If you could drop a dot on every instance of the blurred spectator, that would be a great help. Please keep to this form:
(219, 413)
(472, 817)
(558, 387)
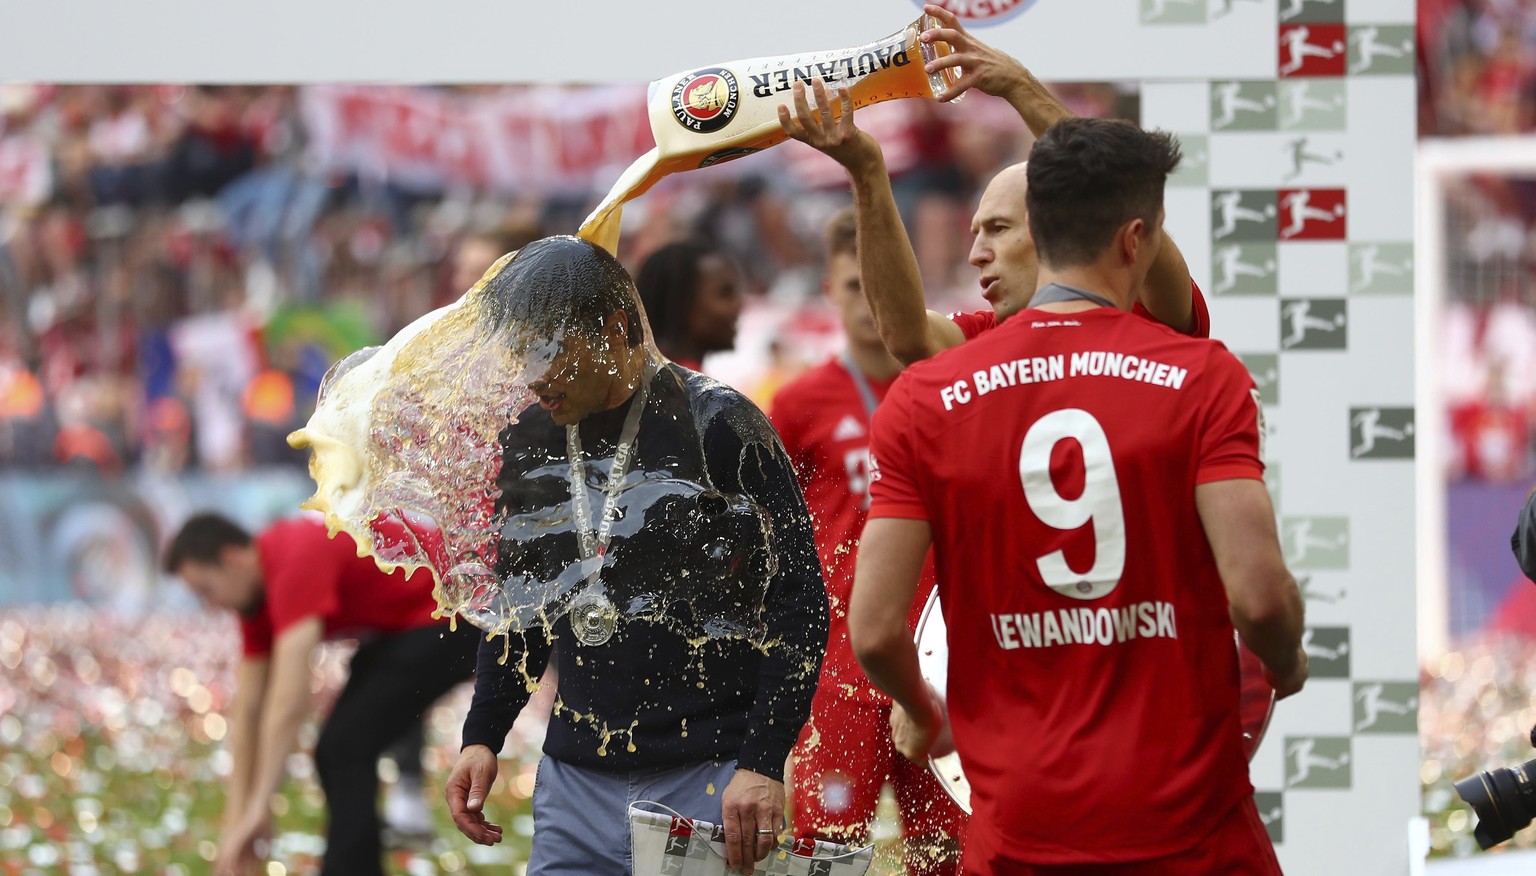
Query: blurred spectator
(1476, 76)
(693, 299)
(1488, 327)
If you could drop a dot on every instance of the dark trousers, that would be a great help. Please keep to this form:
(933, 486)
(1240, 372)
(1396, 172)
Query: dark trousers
(392, 681)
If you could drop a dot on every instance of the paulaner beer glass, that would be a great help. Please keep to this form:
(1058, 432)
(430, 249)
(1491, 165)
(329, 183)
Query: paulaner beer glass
(712, 114)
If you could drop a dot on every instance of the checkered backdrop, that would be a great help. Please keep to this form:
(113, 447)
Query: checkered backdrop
(1295, 211)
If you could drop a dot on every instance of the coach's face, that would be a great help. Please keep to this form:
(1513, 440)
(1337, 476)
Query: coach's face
(1004, 251)
(574, 376)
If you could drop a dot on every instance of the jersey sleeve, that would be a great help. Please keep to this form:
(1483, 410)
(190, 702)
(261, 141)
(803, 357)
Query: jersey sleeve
(1200, 314)
(303, 575)
(893, 482)
(1231, 433)
(974, 323)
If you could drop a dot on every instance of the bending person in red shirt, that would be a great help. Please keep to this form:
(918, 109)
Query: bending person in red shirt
(845, 754)
(293, 587)
(1091, 485)
(1003, 249)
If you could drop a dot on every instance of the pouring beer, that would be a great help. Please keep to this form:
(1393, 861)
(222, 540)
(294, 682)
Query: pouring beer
(713, 114)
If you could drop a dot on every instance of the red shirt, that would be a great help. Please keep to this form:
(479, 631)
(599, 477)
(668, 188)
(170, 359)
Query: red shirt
(1093, 682)
(976, 322)
(822, 420)
(306, 573)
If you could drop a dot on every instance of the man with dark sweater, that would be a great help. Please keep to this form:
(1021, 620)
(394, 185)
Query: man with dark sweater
(679, 578)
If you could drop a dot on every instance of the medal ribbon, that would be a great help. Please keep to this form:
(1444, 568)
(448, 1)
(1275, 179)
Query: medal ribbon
(594, 544)
(861, 383)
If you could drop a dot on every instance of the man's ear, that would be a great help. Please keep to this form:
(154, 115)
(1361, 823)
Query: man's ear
(616, 330)
(1133, 237)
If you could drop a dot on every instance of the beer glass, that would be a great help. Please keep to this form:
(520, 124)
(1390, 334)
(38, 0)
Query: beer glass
(713, 114)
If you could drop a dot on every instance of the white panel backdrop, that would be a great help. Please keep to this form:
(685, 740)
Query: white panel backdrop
(1295, 211)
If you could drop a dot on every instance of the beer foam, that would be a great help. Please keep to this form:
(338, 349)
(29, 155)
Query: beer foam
(403, 441)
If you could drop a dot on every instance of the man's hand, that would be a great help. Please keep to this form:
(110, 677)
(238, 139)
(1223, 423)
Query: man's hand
(981, 66)
(825, 131)
(1290, 682)
(753, 812)
(238, 854)
(466, 789)
(919, 737)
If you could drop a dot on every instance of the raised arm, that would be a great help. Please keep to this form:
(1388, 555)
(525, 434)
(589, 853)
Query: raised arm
(890, 563)
(1167, 294)
(1264, 601)
(887, 266)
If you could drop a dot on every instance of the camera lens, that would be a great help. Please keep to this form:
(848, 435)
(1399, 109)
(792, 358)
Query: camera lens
(1504, 800)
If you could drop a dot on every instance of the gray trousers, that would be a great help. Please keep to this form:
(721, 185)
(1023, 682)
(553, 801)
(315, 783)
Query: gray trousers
(581, 817)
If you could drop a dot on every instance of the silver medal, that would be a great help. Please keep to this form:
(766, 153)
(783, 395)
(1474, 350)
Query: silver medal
(593, 618)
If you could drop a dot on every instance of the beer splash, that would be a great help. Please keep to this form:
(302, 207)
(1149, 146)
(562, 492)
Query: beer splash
(416, 445)
(403, 440)
(714, 114)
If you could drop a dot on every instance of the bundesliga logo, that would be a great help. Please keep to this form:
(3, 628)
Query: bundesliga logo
(705, 100)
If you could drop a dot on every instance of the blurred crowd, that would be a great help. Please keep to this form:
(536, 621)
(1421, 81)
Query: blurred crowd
(1476, 69)
(1488, 328)
(1478, 77)
(178, 269)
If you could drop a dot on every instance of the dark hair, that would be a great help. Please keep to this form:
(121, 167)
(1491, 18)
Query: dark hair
(668, 282)
(202, 538)
(842, 236)
(1087, 178)
(560, 284)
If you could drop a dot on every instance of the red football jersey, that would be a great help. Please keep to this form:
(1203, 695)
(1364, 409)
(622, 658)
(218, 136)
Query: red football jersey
(306, 573)
(821, 418)
(1092, 686)
(974, 323)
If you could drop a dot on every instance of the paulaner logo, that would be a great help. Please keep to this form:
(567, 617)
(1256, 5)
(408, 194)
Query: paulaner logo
(705, 100)
(834, 69)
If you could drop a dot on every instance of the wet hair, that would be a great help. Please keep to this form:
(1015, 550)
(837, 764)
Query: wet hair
(668, 283)
(202, 539)
(842, 235)
(559, 284)
(1087, 178)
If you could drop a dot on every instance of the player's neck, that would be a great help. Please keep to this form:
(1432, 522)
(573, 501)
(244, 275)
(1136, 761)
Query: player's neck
(1117, 285)
(874, 361)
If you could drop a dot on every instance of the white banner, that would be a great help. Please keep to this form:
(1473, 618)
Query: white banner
(545, 139)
